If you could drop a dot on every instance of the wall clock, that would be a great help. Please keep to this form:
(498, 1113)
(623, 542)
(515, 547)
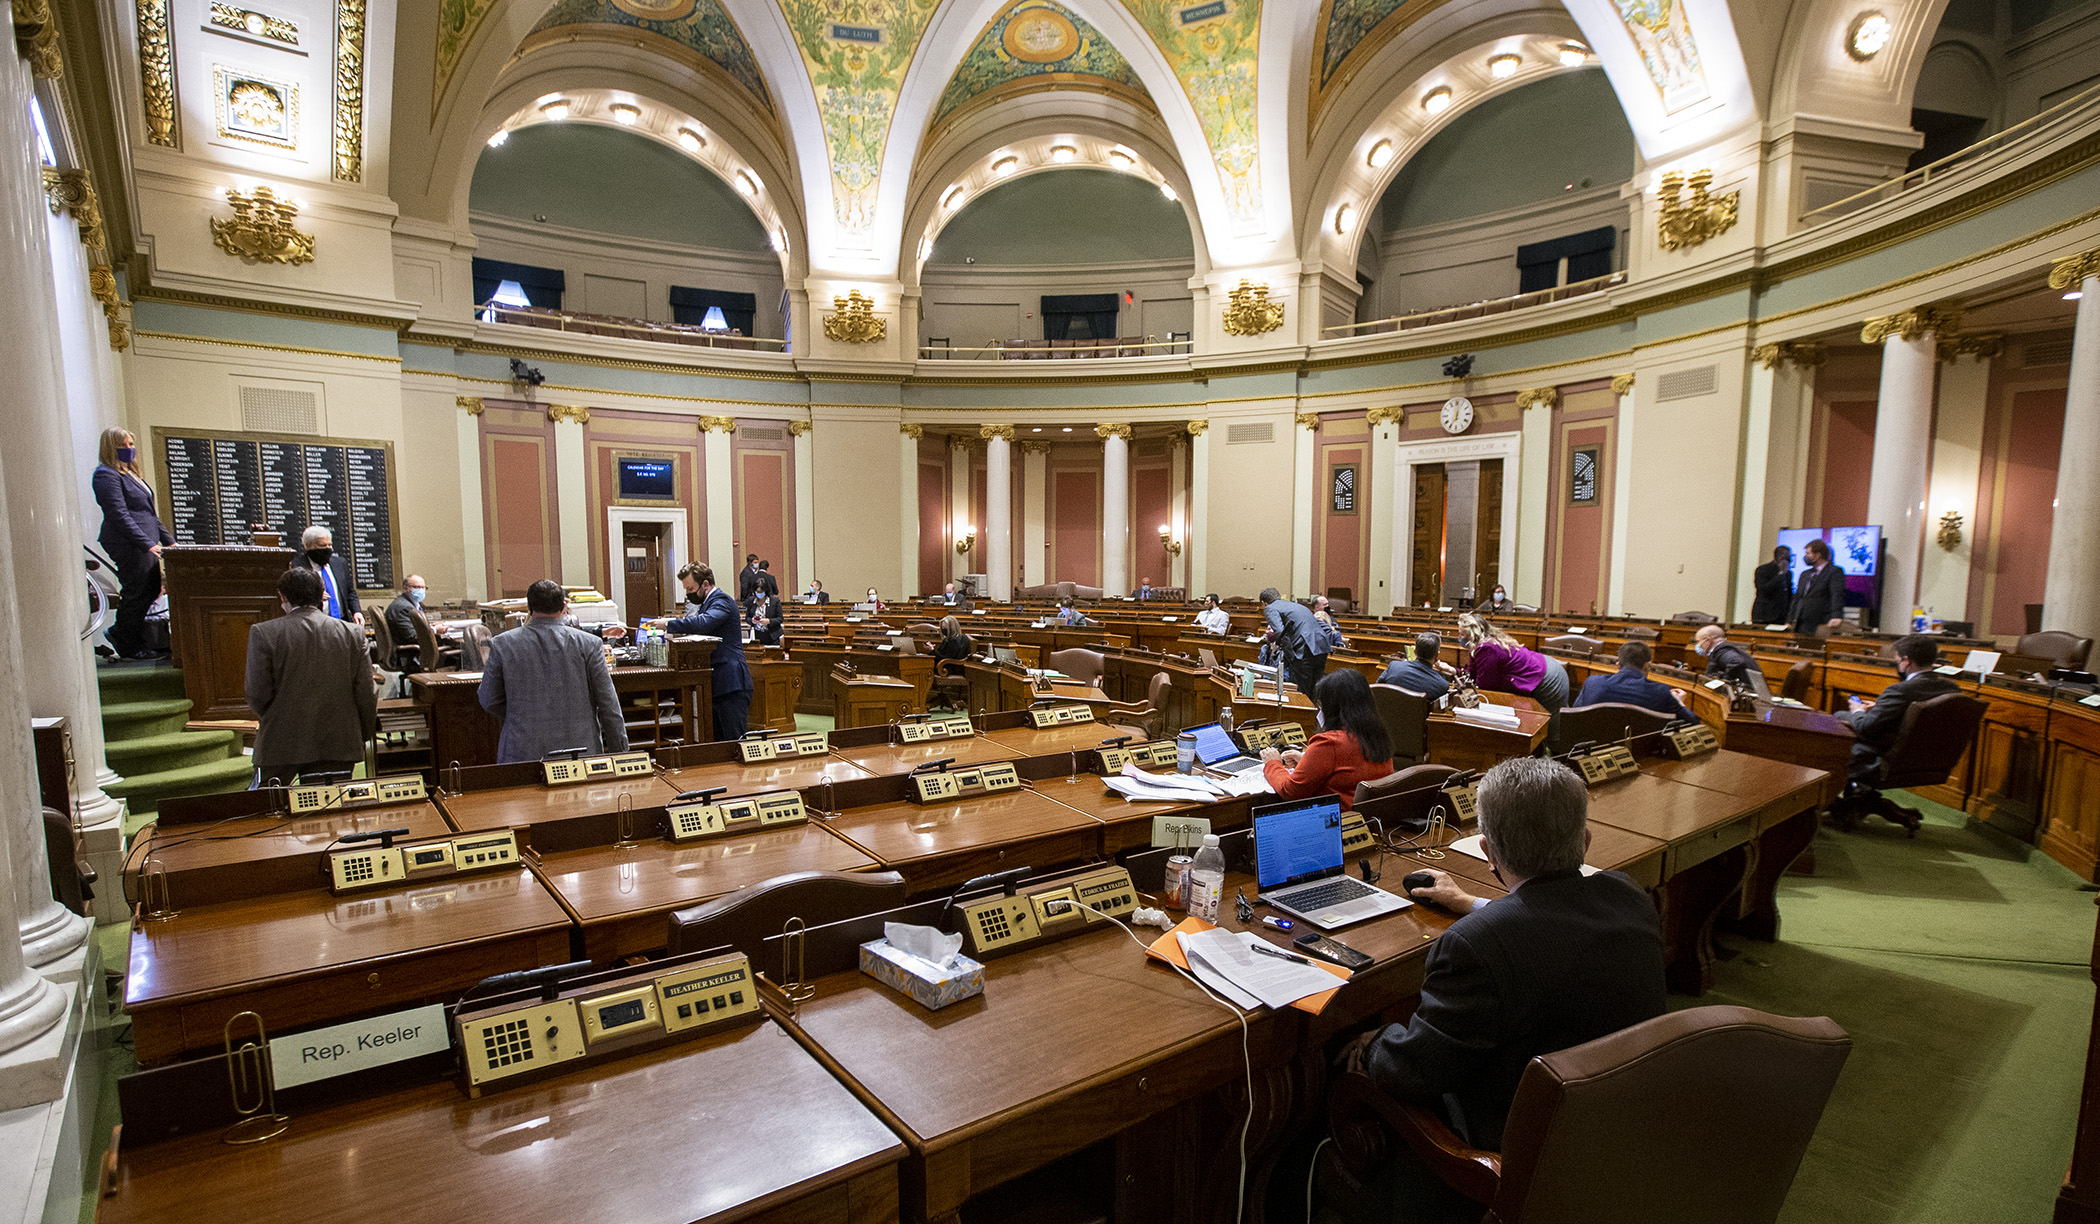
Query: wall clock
(1457, 415)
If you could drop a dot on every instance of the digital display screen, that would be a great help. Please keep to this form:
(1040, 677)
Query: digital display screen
(1297, 841)
(617, 1014)
(648, 479)
(1855, 550)
(1214, 744)
(429, 858)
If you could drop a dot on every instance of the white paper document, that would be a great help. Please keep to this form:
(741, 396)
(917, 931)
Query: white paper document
(1490, 715)
(1224, 961)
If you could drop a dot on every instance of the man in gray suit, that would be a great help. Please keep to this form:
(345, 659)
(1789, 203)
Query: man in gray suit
(310, 685)
(549, 685)
(1301, 645)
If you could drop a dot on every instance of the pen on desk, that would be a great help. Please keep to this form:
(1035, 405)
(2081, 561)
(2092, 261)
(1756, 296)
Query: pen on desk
(1278, 953)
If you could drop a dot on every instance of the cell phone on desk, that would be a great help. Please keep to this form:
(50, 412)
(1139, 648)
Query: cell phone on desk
(1333, 951)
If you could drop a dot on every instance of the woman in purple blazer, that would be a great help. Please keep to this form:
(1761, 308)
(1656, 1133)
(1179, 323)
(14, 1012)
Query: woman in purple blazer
(132, 535)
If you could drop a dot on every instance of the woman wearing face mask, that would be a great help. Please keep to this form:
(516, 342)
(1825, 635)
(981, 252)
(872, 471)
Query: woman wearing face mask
(132, 535)
(874, 600)
(1352, 745)
(1499, 602)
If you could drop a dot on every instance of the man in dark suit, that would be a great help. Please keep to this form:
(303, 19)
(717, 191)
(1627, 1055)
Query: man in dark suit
(747, 578)
(1820, 599)
(816, 593)
(1630, 685)
(955, 599)
(1724, 659)
(401, 618)
(1419, 674)
(1299, 640)
(1874, 727)
(1563, 959)
(713, 613)
(1773, 583)
(338, 588)
(548, 683)
(310, 684)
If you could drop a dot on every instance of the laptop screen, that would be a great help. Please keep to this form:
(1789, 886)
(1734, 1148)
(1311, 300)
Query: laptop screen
(1297, 841)
(1007, 654)
(1214, 744)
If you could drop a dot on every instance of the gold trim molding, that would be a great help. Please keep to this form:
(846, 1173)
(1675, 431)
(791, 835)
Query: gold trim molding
(798, 428)
(577, 413)
(855, 321)
(1681, 222)
(1249, 311)
(1034, 448)
(157, 73)
(472, 403)
(36, 38)
(1805, 354)
(1390, 414)
(912, 430)
(262, 229)
(1107, 430)
(1981, 345)
(1309, 420)
(2065, 274)
(72, 191)
(1622, 385)
(718, 424)
(989, 432)
(1538, 397)
(1197, 428)
(350, 91)
(1911, 324)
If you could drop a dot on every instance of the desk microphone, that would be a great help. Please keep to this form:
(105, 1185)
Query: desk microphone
(566, 754)
(547, 977)
(698, 796)
(1117, 742)
(385, 837)
(939, 766)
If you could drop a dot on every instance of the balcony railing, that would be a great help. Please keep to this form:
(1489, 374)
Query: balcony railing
(937, 348)
(620, 328)
(1473, 310)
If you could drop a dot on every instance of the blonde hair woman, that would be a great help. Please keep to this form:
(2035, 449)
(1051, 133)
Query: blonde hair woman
(132, 535)
(1500, 664)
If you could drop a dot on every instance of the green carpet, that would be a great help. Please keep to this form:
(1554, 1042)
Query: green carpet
(143, 716)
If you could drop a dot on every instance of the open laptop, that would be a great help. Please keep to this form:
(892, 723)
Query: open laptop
(1007, 654)
(1214, 747)
(1299, 867)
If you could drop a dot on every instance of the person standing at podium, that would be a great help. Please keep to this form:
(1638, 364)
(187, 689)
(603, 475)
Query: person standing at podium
(309, 682)
(548, 683)
(713, 613)
(132, 535)
(337, 586)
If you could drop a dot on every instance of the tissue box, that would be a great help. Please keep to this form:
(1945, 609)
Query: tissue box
(934, 986)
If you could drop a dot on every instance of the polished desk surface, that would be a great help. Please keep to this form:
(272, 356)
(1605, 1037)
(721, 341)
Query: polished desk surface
(1739, 774)
(516, 807)
(1611, 849)
(904, 832)
(253, 839)
(724, 1127)
(1027, 741)
(885, 759)
(792, 773)
(1671, 812)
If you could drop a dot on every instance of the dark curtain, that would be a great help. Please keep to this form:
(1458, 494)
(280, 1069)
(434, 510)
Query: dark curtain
(690, 306)
(1588, 254)
(542, 286)
(1061, 310)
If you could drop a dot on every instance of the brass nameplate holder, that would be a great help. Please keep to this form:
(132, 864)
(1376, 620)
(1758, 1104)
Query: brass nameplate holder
(307, 800)
(691, 821)
(926, 731)
(1689, 741)
(773, 748)
(1605, 764)
(598, 768)
(1156, 754)
(371, 866)
(1060, 716)
(1050, 909)
(1273, 735)
(965, 783)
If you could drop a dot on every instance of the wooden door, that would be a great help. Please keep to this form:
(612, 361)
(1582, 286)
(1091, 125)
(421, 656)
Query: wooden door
(1426, 575)
(642, 545)
(1487, 534)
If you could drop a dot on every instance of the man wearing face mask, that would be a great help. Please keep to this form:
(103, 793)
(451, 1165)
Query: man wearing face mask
(1723, 658)
(401, 618)
(710, 611)
(310, 684)
(338, 591)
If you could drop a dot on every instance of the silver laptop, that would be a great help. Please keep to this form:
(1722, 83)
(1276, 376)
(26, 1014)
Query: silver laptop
(1299, 868)
(1214, 747)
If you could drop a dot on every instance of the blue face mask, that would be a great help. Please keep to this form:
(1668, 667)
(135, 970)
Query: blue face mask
(127, 454)
(415, 595)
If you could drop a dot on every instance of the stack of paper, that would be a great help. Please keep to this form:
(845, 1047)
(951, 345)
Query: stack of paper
(1488, 714)
(1137, 785)
(1226, 962)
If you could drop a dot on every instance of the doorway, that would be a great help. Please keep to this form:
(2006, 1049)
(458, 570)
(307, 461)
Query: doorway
(637, 526)
(643, 549)
(1456, 539)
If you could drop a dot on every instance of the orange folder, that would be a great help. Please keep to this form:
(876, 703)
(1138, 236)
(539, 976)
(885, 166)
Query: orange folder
(1168, 949)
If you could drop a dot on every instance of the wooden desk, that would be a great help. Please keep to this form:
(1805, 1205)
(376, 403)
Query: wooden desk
(621, 895)
(793, 773)
(1471, 745)
(883, 759)
(462, 733)
(519, 807)
(742, 1125)
(1611, 849)
(867, 700)
(776, 691)
(1073, 737)
(308, 957)
(937, 845)
(1785, 822)
(1128, 824)
(256, 855)
(215, 594)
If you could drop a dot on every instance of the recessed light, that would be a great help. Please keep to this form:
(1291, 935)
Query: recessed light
(1167, 190)
(953, 197)
(1380, 154)
(626, 114)
(1037, 429)
(1870, 32)
(745, 183)
(780, 240)
(1121, 160)
(557, 109)
(1573, 55)
(1345, 218)
(690, 140)
(1006, 165)
(1502, 67)
(1068, 429)
(1063, 153)
(1437, 100)
(498, 140)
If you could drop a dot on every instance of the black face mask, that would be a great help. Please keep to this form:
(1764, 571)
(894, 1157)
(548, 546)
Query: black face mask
(694, 597)
(319, 556)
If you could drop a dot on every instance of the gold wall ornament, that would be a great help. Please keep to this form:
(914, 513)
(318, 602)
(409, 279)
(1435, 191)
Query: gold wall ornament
(718, 424)
(36, 37)
(262, 230)
(71, 191)
(1538, 397)
(1622, 385)
(1981, 345)
(1197, 428)
(798, 428)
(1911, 324)
(255, 25)
(1107, 430)
(1391, 413)
(1686, 222)
(350, 91)
(996, 431)
(1035, 448)
(472, 403)
(912, 430)
(1950, 530)
(2071, 272)
(1250, 312)
(855, 321)
(1806, 354)
(102, 285)
(1309, 420)
(157, 73)
(558, 413)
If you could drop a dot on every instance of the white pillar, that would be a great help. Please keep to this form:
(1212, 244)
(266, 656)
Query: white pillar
(1197, 541)
(721, 497)
(1621, 499)
(1390, 514)
(999, 511)
(1957, 459)
(570, 487)
(467, 429)
(806, 509)
(1035, 513)
(960, 516)
(1532, 494)
(1305, 502)
(1177, 508)
(2071, 599)
(908, 435)
(1902, 451)
(29, 1005)
(1115, 508)
(1775, 458)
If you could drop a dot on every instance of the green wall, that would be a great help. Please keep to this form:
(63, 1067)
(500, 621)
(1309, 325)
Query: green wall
(602, 179)
(1066, 217)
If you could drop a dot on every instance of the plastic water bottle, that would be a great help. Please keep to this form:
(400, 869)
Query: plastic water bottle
(1917, 619)
(1185, 752)
(1207, 880)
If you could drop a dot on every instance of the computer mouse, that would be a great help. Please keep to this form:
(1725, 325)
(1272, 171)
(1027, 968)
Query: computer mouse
(1416, 879)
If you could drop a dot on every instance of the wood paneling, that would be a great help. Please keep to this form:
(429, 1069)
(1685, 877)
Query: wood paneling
(1581, 537)
(2071, 834)
(933, 521)
(214, 595)
(1075, 533)
(1426, 581)
(765, 513)
(1151, 503)
(519, 499)
(1487, 537)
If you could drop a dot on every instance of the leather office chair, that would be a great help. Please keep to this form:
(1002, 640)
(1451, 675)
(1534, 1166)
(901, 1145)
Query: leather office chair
(382, 642)
(1079, 663)
(1928, 745)
(1606, 722)
(1576, 642)
(1400, 781)
(1795, 686)
(1694, 618)
(430, 654)
(1149, 715)
(1405, 714)
(1701, 1114)
(1647, 633)
(746, 918)
(2066, 650)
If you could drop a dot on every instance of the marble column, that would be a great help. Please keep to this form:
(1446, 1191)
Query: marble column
(1115, 508)
(1390, 517)
(806, 509)
(998, 512)
(1775, 458)
(1903, 449)
(1621, 498)
(1035, 513)
(473, 529)
(1197, 538)
(2071, 598)
(1957, 461)
(1305, 503)
(1535, 455)
(908, 435)
(715, 449)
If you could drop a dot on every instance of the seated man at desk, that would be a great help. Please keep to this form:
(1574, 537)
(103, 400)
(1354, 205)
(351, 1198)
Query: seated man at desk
(401, 616)
(549, 684)
(1323, 613)
(712, 613)
(1724, 659)
(310, 684)
(1069, 614)
(1419, 674)
(1563, 959)
(1874, 724)
(1631, 685)
(816, 594)
(1214, 619)
(955, 599)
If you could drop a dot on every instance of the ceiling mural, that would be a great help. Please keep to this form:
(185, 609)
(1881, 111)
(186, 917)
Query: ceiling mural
(1349, 33)
(456, 22)
(1664, 39)
(1212, 48)
(1038, 44)
(857, 52)
(697, 32)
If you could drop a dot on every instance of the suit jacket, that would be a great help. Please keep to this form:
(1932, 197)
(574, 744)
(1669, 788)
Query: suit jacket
(1732, 663)
(1416, 677)
(1819, 599)
(961, 602)
(1876, 728)
(401, 617)
(1562, 960)
(129, 525)
(823, 597)
(548, 683)
(746, 582)
(1298, 635)
(345, 585)
(310, 685)
(1774, 584)
(1632, 688)
(717, 617)
(768, 607)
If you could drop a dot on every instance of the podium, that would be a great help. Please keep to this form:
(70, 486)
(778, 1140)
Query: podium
(215, 592)
(867, 701)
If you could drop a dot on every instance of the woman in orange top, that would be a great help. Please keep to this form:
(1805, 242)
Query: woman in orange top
(1352, 745)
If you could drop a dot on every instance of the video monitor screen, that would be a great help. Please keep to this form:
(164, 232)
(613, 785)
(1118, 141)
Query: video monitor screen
(648, 479)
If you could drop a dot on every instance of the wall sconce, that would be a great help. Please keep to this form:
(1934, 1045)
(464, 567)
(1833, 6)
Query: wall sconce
(965, 538)
(1950, 530)
(1168, 542)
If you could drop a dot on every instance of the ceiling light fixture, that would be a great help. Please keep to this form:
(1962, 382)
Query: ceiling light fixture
(745, 183)
(1167, 190)
(1063, 153)
(1502, 67)
(1345, 218)
(1068, 429)
(1006, 165)
(780, 241)
(1870, 32)
(557, 109)
(498, 140)
(1437, 100)
(1573, 55)
(1380, 154)
(1121, 160)
(690, 140)
(626, 114)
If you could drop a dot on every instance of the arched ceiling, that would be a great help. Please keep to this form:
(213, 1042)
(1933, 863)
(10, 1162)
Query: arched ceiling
(1036, 45)
(694, 32)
